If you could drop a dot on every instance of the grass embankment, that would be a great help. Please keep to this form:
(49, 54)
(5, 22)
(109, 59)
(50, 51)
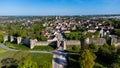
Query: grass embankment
(24, 47)
(17, 46)
(40, 58)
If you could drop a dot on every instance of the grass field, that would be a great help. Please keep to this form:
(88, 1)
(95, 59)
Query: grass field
(17, 46)
(48, 48)
(2, 50)
(40, 58)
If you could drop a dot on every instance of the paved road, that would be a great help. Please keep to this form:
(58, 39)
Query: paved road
(59, 60)
(59, 57)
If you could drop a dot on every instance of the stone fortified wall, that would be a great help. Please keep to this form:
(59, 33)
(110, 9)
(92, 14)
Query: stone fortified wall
(33, 42)
(29, 42)
(116, 42)
(72, 42)
(97, 41)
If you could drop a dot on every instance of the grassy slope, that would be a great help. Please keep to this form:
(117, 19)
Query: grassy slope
(16, 46)
(24, 47)
(2, 50)
(37, 57)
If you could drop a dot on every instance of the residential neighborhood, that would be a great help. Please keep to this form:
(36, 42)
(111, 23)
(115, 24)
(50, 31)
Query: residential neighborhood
(63, 34)
(59, 34)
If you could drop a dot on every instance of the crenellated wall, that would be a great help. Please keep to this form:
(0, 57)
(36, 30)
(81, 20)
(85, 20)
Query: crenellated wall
(43, 43)
(33, 42)
(29, 42)
(6, 38)
(97, 41)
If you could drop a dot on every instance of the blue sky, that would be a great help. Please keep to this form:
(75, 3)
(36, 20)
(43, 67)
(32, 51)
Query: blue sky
(59, 7)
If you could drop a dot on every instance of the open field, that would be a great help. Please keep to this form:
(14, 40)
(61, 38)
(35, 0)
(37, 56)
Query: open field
(40, 58)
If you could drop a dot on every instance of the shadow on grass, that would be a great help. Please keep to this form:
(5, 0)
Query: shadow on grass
(9, 63)
(73, 61)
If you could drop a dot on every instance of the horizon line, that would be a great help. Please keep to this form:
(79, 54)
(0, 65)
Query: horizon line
(65, 15)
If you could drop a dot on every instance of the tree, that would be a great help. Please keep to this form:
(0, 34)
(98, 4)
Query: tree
(115, 65)
(93, 47)
(98, 65)
(97, 34)
(1, 38)
(89, 34)
(116, 23)
(106, 46)
(27, 63)
(104, 55)
(117, 60)
(43, 38)
(117, 32)
(112, 47)
(86, 59)
(11, 32)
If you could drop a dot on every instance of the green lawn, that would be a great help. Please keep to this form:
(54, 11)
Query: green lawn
(40, 58)
(73, 36)
(17, 46)
(75, 49)
(2, 50)
(48, 48)
(24, 47)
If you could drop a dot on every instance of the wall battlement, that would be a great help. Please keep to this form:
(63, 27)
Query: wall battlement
(33, 42)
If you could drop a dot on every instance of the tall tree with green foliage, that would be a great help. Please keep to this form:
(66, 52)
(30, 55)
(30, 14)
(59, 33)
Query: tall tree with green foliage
(1, 38)
(86, 59)
(117, 32)
(93, 47)
(117, 60)
(97, 33)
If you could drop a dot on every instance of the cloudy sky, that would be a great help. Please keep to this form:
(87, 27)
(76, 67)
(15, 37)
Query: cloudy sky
(59, 7)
